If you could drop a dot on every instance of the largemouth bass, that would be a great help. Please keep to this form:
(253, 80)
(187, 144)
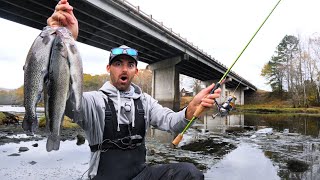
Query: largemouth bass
(58, 90)
(35, 73)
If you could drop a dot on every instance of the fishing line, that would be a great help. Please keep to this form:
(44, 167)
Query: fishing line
(200, 108)
(236, 88)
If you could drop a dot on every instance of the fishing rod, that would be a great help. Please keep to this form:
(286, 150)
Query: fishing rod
(201, 108)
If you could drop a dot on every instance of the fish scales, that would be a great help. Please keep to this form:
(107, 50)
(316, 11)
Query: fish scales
(76, 72)
(58, 90)
(35, 74)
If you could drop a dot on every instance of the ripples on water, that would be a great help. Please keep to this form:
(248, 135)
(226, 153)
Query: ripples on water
(294, 138)
(264, 157)
(242, 163)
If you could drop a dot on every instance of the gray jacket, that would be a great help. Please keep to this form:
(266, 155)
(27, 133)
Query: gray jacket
(92, 115)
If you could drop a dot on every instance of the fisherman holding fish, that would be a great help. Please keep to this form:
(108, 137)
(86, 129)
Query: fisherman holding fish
(116, 117)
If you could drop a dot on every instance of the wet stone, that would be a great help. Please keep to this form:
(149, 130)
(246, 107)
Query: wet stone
(150, 158)
(235, 130)
(23, 149)
(297, 165)
(80, 139)
(210, 146)
(32, 162)
(151, 152)
(14, 154)
(173, 161)
(3, 137)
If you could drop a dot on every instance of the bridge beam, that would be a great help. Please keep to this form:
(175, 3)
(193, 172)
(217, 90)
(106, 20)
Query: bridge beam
(165, 82)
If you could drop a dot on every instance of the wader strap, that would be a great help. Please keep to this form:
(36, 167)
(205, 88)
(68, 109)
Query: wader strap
(128, 137)
(108, 118)
(140, 123)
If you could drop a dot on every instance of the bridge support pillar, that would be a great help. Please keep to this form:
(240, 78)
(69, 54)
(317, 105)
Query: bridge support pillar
(165, 89)
(165, 83)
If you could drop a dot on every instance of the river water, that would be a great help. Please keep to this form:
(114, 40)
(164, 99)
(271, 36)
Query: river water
(244, 146)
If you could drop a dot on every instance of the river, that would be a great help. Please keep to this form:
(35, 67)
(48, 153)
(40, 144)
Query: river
(236, 150)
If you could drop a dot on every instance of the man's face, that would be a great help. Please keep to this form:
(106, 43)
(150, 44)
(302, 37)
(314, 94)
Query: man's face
(122, 71)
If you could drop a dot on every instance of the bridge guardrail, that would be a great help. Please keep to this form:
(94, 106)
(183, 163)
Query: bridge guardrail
(177, 35)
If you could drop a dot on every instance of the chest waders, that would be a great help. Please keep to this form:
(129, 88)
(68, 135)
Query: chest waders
(123, 153)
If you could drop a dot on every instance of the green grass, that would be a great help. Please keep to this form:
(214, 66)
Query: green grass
(279, 109)
(2, 117)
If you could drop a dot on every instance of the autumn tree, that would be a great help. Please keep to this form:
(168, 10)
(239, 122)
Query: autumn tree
(94, 82)
(144, 80)
(280, 69)
(273, 72)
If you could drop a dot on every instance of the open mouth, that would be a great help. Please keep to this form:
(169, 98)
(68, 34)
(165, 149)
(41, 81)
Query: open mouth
(123, 78)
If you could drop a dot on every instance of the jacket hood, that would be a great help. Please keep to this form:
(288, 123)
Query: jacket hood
(134, 92)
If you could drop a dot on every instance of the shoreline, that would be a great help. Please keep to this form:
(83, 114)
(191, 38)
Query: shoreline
(284, 110)
(15, 134)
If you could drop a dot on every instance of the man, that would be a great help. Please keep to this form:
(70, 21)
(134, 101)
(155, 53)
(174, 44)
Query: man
(116, 117)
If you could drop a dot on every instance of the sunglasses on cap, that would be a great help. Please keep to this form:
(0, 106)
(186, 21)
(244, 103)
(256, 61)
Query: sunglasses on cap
(128, 51)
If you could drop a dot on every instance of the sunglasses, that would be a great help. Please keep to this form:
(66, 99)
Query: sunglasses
(128, 51)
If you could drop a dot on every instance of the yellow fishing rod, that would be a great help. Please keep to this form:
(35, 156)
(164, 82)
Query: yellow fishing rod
(200, 108)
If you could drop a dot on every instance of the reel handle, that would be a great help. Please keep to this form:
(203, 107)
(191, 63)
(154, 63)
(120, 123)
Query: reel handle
(200, 108)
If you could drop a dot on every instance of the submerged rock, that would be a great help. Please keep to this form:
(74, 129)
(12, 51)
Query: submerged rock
(14, 154)
(23, 149)
(80, 139)
(263, 132)
(209, 146)
(32, 162)
(297, 165)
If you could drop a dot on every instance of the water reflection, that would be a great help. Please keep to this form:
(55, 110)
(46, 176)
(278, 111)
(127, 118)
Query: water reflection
(296, 123)
(245, 162)
(301, 142)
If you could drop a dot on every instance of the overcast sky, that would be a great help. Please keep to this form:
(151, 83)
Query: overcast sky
(220, 28)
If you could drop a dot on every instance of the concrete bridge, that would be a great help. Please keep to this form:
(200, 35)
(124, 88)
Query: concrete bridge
(109, 23)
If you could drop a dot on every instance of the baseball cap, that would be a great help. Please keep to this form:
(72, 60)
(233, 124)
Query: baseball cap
(123, 50)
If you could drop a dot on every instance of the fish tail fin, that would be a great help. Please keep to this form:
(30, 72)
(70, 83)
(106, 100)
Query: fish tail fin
(26, 125)
(53, 143)
(30, 126)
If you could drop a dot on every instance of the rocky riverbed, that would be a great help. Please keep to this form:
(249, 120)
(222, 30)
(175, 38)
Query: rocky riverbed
(237, 153)
(17, 147)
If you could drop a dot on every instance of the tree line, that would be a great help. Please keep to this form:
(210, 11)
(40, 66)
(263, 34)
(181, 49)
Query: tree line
(90, 83)
(293, 70)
